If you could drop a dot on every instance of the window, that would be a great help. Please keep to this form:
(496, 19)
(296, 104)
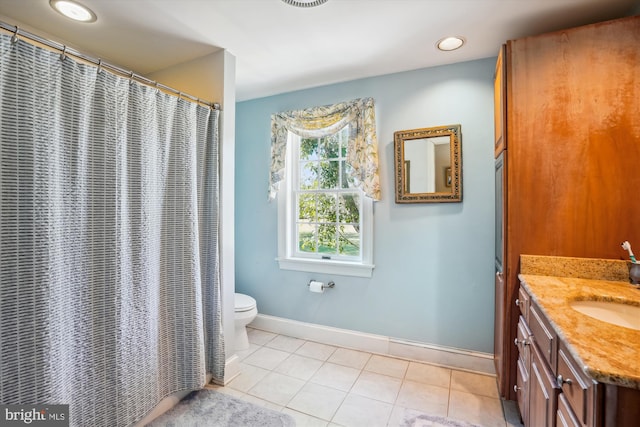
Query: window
(325, 220)
(324, 172)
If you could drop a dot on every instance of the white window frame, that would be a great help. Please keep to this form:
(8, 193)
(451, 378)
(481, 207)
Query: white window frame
(287, 214)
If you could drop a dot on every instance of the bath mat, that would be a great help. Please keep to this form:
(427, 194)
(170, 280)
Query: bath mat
(433, 421)
(209, 408)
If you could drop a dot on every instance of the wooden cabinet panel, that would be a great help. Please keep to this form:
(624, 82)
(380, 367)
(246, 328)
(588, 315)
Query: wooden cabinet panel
(523, 341)
(565, 416)
(543, 335)
(621, 406)
(499, 103)
(572, 123)
(499, 333)
(523, 303)
(543, 392)
(522, 391)
(576, 387)
(502, 337)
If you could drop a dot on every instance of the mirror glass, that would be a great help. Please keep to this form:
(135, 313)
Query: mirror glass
(428, 165)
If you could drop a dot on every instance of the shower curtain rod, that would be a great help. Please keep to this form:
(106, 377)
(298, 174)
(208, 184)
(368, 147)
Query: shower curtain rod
(114, 69)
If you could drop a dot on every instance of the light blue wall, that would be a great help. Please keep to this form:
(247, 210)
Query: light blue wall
(433, 281)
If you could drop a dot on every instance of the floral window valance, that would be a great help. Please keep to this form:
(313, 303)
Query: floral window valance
(318, 122)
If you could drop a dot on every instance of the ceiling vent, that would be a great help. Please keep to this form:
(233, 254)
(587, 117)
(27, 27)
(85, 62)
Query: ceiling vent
(305, 3)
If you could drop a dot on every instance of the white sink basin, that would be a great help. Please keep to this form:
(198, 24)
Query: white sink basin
(625, 315)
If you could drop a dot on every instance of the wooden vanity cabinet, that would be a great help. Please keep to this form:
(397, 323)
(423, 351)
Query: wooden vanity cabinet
(552, 388)
(536, 388)
(566, 126)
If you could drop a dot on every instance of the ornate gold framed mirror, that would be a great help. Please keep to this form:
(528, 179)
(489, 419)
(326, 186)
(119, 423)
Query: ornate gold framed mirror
(428, 165)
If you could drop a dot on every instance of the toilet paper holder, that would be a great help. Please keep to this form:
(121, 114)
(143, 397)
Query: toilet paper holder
(330, 284)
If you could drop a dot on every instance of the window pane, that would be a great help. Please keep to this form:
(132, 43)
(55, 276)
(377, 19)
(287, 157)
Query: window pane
(346, 180)
(328, 207)
(349, 208)
(306, 207)
(327, 239)
(308, 175)
(329, 174)
(309, 149)
(326, 210)
(330, 147)
(307, 238)
(349, 240)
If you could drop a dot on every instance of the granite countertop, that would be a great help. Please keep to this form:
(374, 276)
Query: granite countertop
(608, 353)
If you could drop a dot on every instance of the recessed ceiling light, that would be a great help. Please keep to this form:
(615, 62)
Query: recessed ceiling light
(305, 3)
(450, 43)
(73, 10)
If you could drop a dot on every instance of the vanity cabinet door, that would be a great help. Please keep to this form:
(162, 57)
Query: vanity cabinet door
(577, 388)
(543, 392)
(522, 391)
(565, 416)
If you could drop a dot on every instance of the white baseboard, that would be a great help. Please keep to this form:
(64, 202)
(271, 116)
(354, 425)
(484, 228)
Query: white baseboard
(466, 360)
(231, 370)
(437, 355)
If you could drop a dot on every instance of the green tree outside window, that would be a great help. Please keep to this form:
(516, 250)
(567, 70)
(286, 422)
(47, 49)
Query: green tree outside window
(328, 203)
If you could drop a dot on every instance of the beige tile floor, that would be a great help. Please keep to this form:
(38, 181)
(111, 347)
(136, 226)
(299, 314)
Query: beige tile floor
(323, 385)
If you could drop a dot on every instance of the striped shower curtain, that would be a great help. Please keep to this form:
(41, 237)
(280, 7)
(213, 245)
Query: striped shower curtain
(109, 289)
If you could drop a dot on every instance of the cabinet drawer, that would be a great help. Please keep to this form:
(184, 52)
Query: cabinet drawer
(543, 335)
(577, 388)
(523, 303)
(565, 416)
(523, 342)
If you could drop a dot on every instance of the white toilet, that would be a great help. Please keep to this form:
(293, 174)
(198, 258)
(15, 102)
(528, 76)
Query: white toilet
(245, 311)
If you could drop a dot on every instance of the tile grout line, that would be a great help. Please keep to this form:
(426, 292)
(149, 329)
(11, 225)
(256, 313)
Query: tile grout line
(361, 370)
(347, 393)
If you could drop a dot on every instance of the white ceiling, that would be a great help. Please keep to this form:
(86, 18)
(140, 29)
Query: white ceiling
(280, 48)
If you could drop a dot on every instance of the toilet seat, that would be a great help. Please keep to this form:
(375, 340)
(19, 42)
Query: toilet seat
(244, 303)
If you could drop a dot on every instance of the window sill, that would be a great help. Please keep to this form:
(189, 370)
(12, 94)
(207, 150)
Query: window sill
(326, 267)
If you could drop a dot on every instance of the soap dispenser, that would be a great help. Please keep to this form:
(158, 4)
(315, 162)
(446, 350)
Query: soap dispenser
(634, 273)
(634, 266)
